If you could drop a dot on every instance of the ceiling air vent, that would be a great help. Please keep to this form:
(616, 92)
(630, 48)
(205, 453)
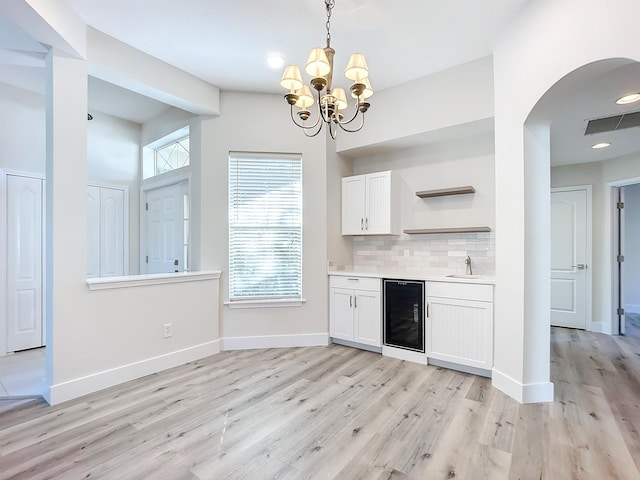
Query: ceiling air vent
(616, 122)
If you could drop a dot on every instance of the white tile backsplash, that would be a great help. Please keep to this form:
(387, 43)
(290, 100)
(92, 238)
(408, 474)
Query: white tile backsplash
(431, 254)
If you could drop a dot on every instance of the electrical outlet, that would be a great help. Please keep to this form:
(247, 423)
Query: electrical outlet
(168, 330)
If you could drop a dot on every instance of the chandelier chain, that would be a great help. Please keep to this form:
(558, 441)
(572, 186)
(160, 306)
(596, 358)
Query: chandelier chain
(329, 5)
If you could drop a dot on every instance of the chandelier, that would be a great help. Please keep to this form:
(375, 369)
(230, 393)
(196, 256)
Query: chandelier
(332, 102)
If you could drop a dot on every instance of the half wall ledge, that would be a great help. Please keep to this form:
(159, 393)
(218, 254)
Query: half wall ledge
(106, 283)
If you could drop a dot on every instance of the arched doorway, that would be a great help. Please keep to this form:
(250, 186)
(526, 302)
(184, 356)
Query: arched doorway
(528, 64)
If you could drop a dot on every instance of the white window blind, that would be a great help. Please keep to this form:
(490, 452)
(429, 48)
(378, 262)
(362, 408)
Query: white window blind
(265, 226)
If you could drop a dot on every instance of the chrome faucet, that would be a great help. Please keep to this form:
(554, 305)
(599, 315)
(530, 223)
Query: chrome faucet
(467, 262)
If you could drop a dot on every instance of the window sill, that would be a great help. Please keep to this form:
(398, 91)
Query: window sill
(264, 303)
(105, 283)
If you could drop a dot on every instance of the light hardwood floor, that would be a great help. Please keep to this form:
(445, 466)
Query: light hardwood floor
(337, 412)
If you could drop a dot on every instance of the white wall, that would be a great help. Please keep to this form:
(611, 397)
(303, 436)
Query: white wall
(545, 42)
(452, 164)
(455, 163)
(122, 65)
(22, 122)
(100, 338)
(267, 128)
(339, 252)
(449, 98)
(632, 248)
(113, 158)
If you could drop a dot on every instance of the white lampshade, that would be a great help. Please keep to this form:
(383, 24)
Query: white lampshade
(357, 69)
(341, 98)
(318, 64)
(305, 99)
(367, 92)
(291, 78)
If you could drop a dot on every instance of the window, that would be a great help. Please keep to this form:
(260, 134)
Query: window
(265, 226)
(172, 156)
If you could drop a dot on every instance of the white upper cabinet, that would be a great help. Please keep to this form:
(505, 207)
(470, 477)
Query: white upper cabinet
(370, 204)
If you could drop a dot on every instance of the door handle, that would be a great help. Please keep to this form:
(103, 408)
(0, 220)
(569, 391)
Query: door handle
(580, 266)
(362, 224)
(350, 301)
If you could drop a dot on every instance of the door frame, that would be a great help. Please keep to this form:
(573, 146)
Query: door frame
(154, 183)
(610, 286)
(590, 325)
(4, 173)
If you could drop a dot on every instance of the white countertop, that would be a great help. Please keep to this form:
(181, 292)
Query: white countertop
(401, 275)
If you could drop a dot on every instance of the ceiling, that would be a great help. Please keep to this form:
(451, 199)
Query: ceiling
(227, 42)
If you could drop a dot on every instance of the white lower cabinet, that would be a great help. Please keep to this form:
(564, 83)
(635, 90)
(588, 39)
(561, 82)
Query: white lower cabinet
(355, 310)
(459, 324)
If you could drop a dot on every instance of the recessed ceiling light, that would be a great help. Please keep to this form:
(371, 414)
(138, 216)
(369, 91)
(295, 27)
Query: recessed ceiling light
(275, 61)
(601, 145)
(632, 97)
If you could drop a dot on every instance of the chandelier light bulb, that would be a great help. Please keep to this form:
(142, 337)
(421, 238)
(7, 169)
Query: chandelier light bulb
(366, 92)
(291, 78)
(340, 98)
(318, 63)
(357, 69)
(305, 99)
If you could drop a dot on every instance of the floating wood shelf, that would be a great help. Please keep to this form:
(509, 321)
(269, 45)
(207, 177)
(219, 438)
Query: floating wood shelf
(448, 230)
(441, 192)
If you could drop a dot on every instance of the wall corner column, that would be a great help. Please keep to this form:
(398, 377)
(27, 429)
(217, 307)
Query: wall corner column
(66, 210)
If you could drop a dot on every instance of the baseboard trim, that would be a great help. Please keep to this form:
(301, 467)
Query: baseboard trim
(483, 372)
(402, 354)
(61, 392)
(523, 393)
(276, 341)
(361, 346)
(601, 327)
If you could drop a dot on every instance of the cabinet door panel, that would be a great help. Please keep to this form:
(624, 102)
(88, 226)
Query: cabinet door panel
(461, 332)
(341, 314)
(368, 324)
(353, 205)
(378, 219)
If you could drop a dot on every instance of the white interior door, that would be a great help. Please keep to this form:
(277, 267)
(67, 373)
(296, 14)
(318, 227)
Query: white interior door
(93, 231)
(569, 254)
(24, 263)
(106, 231)
(165, 229)
(112, 232)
